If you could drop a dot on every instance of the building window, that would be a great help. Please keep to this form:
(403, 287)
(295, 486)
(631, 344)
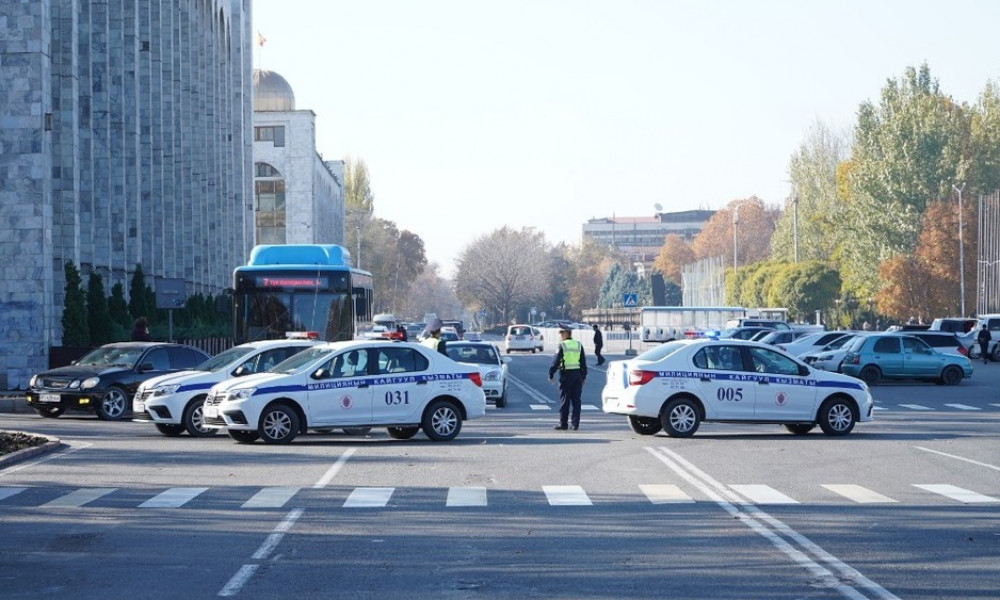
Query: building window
(270, 133)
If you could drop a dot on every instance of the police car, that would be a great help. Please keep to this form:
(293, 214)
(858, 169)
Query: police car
(401, 386)
(677, 385)
(174, 402)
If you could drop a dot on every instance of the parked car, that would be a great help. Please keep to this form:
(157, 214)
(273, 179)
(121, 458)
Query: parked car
(402, 386)
(492, 366)
(958, 325)
(539, 339)
(829, 357)
(174, 402)
(449, 334)
(105, 380)
(811, 342)
(946, 342)
(520, 337)
(679, 384)
(768, 323)
(742, 333)
(779, 336)
(902, 356)
(473, 336)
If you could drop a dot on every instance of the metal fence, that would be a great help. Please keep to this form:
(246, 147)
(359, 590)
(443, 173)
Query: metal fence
(988, 263)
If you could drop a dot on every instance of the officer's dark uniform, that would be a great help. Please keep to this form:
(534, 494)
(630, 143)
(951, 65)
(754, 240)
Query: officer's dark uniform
(572, 367)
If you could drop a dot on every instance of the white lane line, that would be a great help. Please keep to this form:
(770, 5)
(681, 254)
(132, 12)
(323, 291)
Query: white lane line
(861, 495)
(73, 447)
(333, 470)
(466, 496)
(540, 407)
(956, 493)
(272, 497)
(665, 494)
(173, 498)
(566, 495)
(369, 497)
(528, 390)
(589, 407)
(7, 492)
(916, 407)
(880, 408)
(236, 583)
(238, 580)
(78, 498)
(968, 460)
(963, 407)
(994, 404)
(776, 532)
(762, 494)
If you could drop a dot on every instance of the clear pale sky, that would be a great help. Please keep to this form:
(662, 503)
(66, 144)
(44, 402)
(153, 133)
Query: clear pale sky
(474, 114)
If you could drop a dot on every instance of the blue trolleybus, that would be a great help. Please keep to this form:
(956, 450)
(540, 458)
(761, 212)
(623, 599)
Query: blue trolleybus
(305, 289)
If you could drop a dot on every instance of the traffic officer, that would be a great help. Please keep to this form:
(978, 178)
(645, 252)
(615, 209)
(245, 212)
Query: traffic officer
(433, 339)
(572, 367)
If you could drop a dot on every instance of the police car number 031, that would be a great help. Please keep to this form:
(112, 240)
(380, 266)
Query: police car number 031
(396, 397)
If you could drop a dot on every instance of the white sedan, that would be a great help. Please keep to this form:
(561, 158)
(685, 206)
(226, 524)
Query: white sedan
(173, 402)
(401, 386)
(492, 366)
(677, 385)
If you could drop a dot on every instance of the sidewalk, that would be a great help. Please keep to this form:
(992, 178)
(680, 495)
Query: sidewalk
(13, 402)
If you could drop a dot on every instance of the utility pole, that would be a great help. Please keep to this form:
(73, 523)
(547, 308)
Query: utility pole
(961, 249)
(736, 221)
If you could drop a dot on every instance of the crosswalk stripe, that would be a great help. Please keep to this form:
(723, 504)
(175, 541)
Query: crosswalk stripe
(963, 407)
(271, 497)
(588, 407)
(540, 407)
(566, 495)
(466, 496)
(762, 494)
(879, 408)
(7, 492)
(956, 493)
(665, 494)
(916, 406)
(369, 497)
(859, 494)
(994, 404)
(173, 498)
(78, 498)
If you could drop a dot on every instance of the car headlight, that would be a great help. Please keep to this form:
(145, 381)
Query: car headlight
(492, 376)
(240, 394)
(33, 381)
(165, 390)
(89, 382)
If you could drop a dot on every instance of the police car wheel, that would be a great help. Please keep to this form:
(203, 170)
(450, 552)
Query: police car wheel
(279, 424)
(799, 428)
(680, 418)
(837, 416)
(645, 425)
(441, 421)
(169, 429)
(244, 437)
(402, 433)
(194, 419)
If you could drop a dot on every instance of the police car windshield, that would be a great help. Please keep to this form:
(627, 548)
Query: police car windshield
(220, 361)
(296, 362)
(660, 352)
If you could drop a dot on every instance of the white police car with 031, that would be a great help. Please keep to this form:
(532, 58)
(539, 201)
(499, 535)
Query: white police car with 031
(677, 385)
(402, 386)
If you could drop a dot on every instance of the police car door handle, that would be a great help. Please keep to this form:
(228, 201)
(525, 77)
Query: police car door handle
(706, 379)
(424, 382)
(362, 386)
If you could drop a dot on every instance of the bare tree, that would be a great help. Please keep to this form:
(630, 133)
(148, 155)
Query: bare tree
(429, 293)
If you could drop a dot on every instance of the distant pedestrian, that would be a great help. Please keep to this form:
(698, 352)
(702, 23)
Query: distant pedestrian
(598, 344)
(401, 333)
(984, 337)
(140, 330)
(572, 367)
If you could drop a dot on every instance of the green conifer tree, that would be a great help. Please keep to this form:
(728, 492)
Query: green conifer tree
(98, 315)
(76, 333)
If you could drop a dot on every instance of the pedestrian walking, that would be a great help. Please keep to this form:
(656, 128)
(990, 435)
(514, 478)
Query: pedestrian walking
(984, 337)
(598, 344)
(572, 367)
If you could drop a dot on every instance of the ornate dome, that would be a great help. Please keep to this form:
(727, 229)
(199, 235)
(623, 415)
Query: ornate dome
(271, 92)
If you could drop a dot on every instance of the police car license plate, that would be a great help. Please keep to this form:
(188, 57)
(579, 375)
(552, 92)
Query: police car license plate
(210, 411)
(48, 398)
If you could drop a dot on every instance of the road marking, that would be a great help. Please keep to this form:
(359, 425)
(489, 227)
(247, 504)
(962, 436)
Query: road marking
(271, 497)
(793, 544)
(173, 498)
(994, 404)
(369, 497)
(236, 583)
(589, 407)
(540, 407)
(956, 493)
(78, 498)
(963, 407)
(916, 406)
(7, 492)
(334, 469)
(566, 495)
(528, 390)
(466, 496)
(859, 494)
(762, 494)
(880, 408)
(73, 447)
(665, 494)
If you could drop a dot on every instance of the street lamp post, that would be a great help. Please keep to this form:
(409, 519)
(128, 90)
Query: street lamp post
(795, 225)
(736, 221)
(961, 250)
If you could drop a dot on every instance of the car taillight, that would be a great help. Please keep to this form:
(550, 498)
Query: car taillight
(638, 377)
(962, 350)
(476, 379)
(852, 359)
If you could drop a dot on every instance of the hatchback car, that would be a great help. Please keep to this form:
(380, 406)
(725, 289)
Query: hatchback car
(829, 357)
(678, 385)
(174, 402)
(896, 356)
(520, 337)
(402, 386)
(811, 342)
(779, 336)
(492, 366)
(105, 380)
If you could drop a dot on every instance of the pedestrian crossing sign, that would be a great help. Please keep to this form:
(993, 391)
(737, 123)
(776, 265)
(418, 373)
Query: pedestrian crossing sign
(630, 300)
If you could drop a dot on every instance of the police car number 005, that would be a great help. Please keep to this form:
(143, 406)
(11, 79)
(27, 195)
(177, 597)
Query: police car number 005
(729, 394)
(395, 397)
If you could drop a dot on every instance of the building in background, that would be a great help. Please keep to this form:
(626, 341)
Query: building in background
(125, 129)
(298, 198)
(640, 238)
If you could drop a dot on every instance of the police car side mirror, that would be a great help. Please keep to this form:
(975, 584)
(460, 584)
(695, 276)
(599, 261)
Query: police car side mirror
(803, 370)
(320, 373)
(241, 371)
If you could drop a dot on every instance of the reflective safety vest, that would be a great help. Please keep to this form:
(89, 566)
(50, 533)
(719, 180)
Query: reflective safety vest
(571, 350)
(431, 342)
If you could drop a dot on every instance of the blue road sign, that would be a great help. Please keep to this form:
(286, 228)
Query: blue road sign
(630, 300)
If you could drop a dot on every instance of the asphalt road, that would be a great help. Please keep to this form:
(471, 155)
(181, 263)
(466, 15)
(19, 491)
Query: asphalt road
(907, 506)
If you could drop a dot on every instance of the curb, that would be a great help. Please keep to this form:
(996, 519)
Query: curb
(14, 457)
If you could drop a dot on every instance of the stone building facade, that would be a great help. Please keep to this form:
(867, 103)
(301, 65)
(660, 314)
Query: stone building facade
(124, 139)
